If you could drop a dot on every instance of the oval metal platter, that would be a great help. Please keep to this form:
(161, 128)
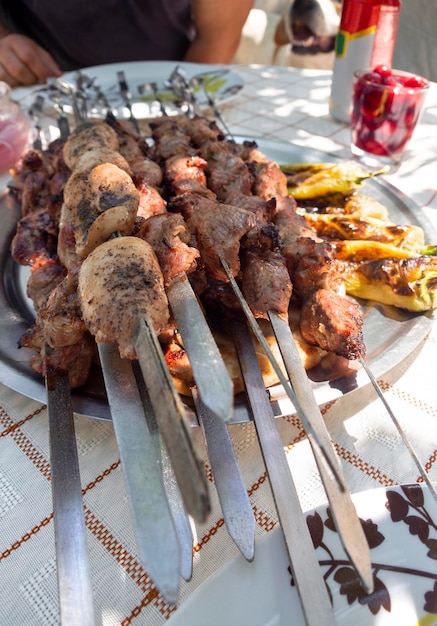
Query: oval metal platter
(390, 334)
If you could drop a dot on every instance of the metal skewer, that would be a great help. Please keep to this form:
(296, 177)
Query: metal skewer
(344, 514)
(153, 87)
(172, 422)
(72, 559)
(76, 603)
(171, 418)
(307, 575)
(175, 502)
(400, 430)
(127, 98)
(200, 81)
(209, 371)
(35, 113)
(182, 89)
(152, 520)
(342, 508)
(60, 86)
(234, 501)
(333, 466)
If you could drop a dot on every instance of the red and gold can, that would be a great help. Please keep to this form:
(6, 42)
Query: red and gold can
(366, 38)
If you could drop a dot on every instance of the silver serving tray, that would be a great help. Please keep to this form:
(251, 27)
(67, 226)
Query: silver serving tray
(390, 334)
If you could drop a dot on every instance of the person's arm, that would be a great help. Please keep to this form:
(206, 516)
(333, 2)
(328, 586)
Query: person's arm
(22, 61)
(218, 26)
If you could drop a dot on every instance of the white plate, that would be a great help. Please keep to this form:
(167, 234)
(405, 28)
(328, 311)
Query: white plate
(221, 84)
(401, 526)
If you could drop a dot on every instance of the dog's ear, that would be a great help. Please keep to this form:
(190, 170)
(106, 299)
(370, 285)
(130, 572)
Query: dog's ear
(281, 37)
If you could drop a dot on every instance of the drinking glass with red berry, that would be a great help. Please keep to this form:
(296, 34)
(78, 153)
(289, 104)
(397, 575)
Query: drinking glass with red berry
(386, 106)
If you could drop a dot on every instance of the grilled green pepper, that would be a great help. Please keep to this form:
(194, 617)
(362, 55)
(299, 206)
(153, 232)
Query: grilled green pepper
(404, 283)
(333, 227)
(308, 181)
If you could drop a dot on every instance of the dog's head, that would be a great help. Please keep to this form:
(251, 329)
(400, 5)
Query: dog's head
(310, 26)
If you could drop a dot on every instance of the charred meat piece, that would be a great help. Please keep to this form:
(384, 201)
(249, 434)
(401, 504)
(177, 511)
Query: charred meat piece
(48, 163)
(266, 283)
(249, 151)
(227, 172)
(187, 174)
(89, 159)
(269, 180)
(128, 140)
(256, 205)
(317, 268)
(35, 242)
(67, 241)
(42, 281)
(61, 317)
(101, 202)
(170, 139)
(119, 282)
(146, 171)
(202, 130)
(150, 201)
(168, 235)
(218, 229)
(291, 225)
(88, 136)
(35, 192)
(76, 359)
(333, 323)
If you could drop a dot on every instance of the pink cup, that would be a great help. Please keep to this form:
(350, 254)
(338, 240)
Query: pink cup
(15, 131)
(386, 107)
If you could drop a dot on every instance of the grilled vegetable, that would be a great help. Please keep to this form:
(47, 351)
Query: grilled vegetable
(430, 250)
(358, 205)
(408, 237)
(310, 181)
(405, 283)
(362, 206)
(357, 251)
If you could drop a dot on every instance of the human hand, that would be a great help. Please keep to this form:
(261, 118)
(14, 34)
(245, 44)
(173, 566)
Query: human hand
(24, 62)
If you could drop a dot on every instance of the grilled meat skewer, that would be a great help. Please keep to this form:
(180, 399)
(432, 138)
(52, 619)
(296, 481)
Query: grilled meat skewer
(120, 282)
(267, 285)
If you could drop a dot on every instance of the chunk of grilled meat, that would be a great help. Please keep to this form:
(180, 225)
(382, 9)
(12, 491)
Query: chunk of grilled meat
(61, 317)
(171, 139)
(150, 201)
(88, 136)
(67, 242)
(169, 237)
(76, 359)
(333, 323)
(187, 174)
(86, 161)
(227, 172)
(218, 229)
(269, 180)
(101, 202)
(266, 283)
(42, 281)
(39, 175)
(35, 241)
(119, 282)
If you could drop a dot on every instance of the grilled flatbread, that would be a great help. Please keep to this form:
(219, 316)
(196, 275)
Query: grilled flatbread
(179, 366)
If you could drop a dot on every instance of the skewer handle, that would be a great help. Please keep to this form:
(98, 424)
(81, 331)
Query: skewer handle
(74, 575)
